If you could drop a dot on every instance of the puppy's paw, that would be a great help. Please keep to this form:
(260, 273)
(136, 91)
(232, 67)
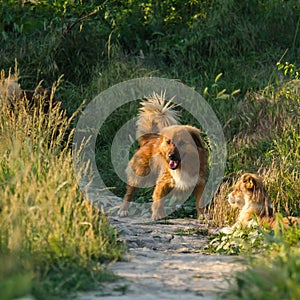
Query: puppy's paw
(224, 230)
(123, 211)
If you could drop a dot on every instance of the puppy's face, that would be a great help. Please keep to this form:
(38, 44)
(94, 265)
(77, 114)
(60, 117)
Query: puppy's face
(179, 149)
(245, 190)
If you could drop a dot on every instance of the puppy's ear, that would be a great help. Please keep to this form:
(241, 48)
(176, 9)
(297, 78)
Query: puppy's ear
(250, 181)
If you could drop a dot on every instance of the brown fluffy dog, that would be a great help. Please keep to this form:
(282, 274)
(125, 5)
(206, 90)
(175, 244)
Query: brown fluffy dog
(171, 157)
(250, 197)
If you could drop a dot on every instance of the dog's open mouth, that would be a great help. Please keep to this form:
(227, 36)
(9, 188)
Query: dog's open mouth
(173, 164)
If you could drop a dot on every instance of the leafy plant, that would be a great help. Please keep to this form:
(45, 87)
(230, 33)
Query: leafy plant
(275, 273)
(238, 241)
(289, 70)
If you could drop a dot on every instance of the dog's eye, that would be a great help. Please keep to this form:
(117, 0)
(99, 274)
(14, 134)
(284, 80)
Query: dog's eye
(168, 142)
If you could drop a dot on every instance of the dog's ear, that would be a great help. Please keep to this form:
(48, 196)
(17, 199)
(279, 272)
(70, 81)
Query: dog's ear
(254, 184)
(144, 139)
(195, 134)
(251, 181)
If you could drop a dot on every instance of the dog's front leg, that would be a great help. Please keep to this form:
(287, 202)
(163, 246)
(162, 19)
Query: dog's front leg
(161, 190)
(123, 211)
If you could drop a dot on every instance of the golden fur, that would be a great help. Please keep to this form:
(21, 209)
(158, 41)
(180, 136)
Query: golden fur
(171, 157)
(251, 198)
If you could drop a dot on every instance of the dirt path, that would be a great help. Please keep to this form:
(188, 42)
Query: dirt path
(164, 262)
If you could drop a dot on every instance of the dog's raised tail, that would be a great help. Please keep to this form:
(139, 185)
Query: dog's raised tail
(155, 114)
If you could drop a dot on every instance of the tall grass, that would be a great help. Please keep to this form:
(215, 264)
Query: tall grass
(267, 143)
(52, 241)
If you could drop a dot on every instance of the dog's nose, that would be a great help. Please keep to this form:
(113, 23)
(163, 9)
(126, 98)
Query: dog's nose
(172, 156)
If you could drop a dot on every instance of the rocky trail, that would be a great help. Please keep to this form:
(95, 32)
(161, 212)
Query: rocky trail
(165, 262)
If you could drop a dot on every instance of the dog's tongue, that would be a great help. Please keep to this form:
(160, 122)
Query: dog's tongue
(173, 164)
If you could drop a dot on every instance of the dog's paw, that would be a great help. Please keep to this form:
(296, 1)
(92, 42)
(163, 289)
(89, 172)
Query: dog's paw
(158, 216)
(123, 211)
(204, 216)
(158, 211)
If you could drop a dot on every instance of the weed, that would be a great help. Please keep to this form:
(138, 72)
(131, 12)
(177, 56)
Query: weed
(237, 242)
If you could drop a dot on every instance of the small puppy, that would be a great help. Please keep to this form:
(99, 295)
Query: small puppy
(251, 198)
(171, 157)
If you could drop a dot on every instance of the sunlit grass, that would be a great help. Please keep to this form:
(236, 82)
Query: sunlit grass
(52, 240)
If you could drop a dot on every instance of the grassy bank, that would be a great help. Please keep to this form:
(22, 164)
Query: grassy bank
(52, 241)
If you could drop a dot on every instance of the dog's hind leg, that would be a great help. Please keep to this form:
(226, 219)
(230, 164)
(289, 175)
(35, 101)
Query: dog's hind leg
(199, 195)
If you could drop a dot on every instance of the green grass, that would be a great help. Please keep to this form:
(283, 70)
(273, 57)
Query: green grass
(53, 242)
(273, 275)
(273, 260)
